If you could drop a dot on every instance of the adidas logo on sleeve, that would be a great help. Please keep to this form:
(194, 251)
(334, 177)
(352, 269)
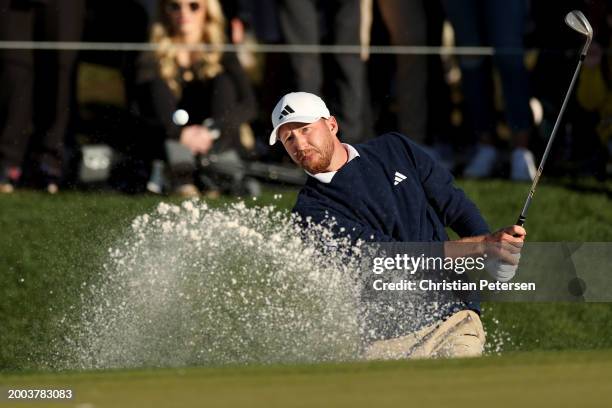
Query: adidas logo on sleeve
(399, 177)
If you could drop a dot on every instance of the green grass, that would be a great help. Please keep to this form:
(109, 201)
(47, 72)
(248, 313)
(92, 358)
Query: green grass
(50, 245)
(559, 212)
(559, 379)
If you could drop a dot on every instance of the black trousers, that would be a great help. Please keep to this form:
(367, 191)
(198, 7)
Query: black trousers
(300, 23)
(36, 86)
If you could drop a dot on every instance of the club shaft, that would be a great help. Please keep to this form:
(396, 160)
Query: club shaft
(523, 216)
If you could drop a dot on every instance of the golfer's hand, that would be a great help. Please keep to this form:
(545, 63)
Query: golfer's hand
(503, 251)
(196, 138)
(505, 242)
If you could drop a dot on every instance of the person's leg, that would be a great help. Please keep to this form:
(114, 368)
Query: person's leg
(299, 25)
(223, 99)
(397, 348)
(138, 142)
(505, 22)
(406, 22)
(63, 21)
(461, 335)
(16, 82)
(466, 19)
(439, 129)
(349, 81)
(505, 28)
(228, 168)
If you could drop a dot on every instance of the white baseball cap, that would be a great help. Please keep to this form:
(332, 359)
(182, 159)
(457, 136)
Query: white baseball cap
(302, 107)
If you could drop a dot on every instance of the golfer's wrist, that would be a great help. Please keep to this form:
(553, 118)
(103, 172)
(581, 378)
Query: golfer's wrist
(472, 246)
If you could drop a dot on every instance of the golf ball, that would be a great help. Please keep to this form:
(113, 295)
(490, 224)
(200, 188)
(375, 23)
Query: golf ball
(180, 117)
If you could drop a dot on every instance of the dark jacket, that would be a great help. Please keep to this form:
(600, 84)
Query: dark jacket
(365, 200)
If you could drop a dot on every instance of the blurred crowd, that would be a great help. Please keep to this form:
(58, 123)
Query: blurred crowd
(188, 120)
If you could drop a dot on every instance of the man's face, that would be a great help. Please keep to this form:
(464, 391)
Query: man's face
(310, 145)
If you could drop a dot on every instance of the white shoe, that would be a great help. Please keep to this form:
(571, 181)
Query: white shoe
(482, 163)
(522, 165)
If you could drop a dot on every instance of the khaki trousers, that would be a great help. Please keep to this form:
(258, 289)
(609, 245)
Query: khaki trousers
(461, 335)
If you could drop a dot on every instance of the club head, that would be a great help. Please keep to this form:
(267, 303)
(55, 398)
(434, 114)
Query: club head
(578, 22)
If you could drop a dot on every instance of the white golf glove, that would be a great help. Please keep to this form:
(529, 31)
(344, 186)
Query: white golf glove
(499, 270)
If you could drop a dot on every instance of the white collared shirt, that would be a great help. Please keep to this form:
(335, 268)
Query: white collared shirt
(328, 176)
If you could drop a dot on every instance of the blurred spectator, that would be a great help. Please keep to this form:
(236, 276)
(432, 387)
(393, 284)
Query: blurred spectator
(269, 73)
(265, 21)
(406, 22)
(265, 26)
(237, 13)
(556, 61)
(337, 24)
(578, 148)
(208, 85)
(440, 130)
(499, 24)
(104, 24)
(594, 90)
(150, 6)
(36, 89)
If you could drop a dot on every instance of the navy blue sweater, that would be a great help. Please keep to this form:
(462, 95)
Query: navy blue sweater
(365, 203)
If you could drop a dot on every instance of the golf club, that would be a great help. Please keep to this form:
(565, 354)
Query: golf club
(578, 22)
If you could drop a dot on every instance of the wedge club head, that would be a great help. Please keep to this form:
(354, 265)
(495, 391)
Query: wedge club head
(578, 22)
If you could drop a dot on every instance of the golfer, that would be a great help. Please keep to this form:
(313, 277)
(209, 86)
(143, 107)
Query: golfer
(387, 190)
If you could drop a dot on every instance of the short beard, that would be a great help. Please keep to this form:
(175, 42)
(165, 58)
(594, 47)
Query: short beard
(319, 166)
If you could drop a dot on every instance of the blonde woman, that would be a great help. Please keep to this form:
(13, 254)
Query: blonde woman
(207, 84)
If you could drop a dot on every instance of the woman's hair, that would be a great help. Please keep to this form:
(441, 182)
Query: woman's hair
(213, 34)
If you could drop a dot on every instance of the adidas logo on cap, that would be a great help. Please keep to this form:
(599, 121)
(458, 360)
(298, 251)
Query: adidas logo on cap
(286, 111)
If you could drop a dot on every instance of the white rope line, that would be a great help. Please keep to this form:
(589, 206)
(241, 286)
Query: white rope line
(259, 48)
